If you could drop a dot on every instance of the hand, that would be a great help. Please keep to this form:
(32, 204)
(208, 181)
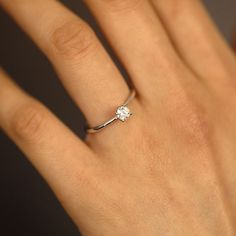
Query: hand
(171, 168)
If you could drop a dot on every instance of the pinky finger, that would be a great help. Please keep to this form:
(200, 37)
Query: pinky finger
(62, 159)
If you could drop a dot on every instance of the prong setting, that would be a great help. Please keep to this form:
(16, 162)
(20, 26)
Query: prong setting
(123, 113)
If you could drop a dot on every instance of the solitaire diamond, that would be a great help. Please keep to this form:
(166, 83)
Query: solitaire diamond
(123, 113)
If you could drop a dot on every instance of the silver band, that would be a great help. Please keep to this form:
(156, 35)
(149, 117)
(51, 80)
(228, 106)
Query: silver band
(122, 114)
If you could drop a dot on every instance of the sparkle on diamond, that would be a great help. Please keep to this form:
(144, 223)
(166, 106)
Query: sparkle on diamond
(123, 113)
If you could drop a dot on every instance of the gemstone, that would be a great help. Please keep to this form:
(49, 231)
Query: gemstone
(123, 113)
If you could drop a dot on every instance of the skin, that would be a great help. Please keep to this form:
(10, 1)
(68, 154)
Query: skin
(170, 169)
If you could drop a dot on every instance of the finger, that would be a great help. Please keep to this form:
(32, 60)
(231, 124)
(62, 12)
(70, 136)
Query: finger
(63, 160)
(197, 39)
(85, 68)
(139, 39)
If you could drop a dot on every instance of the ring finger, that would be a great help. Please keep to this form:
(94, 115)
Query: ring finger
(70, 44)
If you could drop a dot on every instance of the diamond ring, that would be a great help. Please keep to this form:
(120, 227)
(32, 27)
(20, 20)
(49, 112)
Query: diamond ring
(122, 113)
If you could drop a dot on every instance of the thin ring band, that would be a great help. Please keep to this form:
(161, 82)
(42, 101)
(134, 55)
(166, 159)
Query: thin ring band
(122, 114)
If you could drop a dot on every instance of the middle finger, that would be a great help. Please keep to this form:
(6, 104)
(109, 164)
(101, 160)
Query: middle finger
(141, 42)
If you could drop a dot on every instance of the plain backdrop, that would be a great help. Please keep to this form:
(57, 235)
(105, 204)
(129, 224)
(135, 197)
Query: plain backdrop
(27, 205)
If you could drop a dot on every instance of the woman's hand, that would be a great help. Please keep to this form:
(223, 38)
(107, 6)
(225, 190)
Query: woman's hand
(170, 169)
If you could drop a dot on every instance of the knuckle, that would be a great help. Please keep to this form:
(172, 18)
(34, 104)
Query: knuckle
(122, 5)
(190, 121)
(177, 9)
(195, 128)
(28, 121)
(73, 39)
(225, 75)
